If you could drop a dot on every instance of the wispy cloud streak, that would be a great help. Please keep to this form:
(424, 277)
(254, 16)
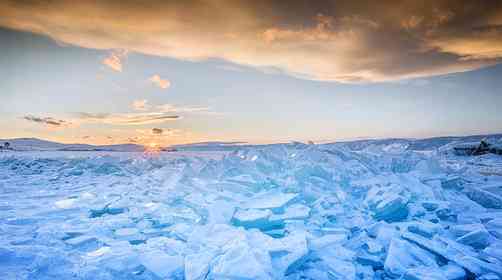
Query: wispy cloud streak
(127, 119)
(46, 121)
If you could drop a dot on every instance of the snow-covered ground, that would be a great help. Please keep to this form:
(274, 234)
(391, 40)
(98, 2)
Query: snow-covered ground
(380, 211)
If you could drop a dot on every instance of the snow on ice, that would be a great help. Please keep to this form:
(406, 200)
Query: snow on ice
(291, 211)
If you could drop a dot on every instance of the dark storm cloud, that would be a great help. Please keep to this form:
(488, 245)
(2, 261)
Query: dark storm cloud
(349, 41)
(46, 121)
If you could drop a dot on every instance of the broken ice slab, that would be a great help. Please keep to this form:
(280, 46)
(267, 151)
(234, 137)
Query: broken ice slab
(220, 211)
(340, 269)
(494, 250)
(452, 271)
(483, 197)
(99, 252)
(275, 201)
(423, 272)
(444, 213)
(452, 182)
(383, 232)
(489, 276)
(460, 230)
(66, 203)
(291, 254)
(403, 255)
(197, 264)
(84, 243)
(253, 218)
(163, 265)
(495, 227)
(241, 261)
(478, 239)
(392, 208)
(485, 217)
(432, 205)
(335, 251)
(372, 246)
(424, 228)
(456, 252)
(96, 213)
(133, 235)
(276, 233)
(293, 212)
(374, 261)
(170, 246)
(214, 236)
(318, 243)
(333, 230)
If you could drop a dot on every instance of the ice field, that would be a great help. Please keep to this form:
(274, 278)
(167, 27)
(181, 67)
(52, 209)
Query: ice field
(295, 211)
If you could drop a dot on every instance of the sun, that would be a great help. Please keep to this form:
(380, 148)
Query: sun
(152, 147)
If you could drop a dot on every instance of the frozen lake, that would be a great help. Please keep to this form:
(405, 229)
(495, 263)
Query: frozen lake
(274, 212)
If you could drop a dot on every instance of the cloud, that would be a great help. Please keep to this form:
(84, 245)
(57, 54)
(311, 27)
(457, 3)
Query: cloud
(46, 121)
(170, 108)
(180, 109)
(162, 83)
(157, 131)
(114, 60)
(140, 105)
(146, 134)
(346, 41)
(151, 115)
(127, 119)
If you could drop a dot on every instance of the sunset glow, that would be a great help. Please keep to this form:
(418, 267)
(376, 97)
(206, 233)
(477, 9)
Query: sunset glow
(193, 71)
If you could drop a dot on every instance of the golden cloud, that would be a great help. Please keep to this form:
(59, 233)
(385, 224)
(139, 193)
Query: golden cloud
(347, 41)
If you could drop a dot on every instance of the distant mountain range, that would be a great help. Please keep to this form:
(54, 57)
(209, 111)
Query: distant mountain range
(34, 144)
(422, 144)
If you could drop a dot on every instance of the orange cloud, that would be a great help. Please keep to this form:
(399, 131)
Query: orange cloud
(114, 60)
(162, 83)
(140, 105)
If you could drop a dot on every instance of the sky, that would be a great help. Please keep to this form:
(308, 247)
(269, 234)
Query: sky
(262, 71)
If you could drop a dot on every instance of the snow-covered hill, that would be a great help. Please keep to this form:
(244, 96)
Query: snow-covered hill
(35, 144)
